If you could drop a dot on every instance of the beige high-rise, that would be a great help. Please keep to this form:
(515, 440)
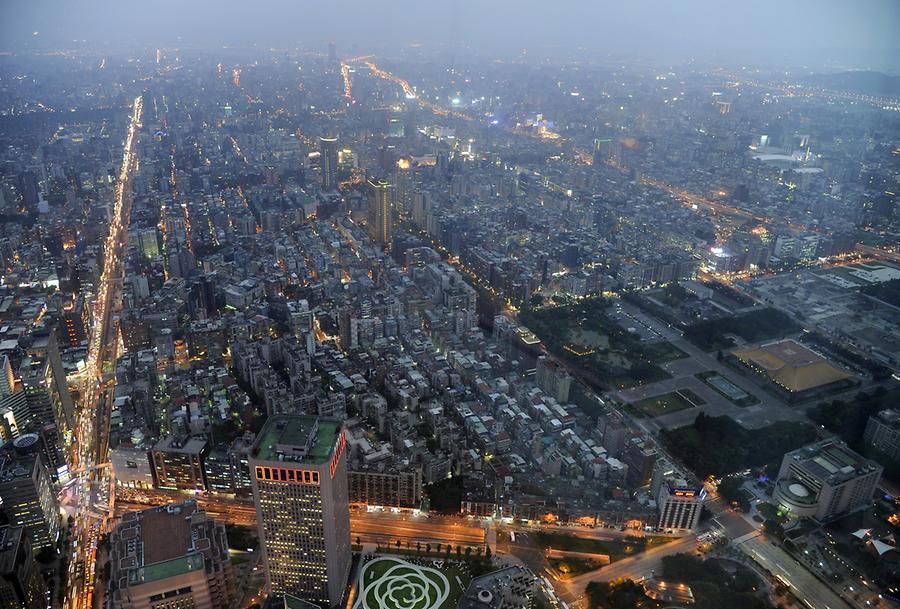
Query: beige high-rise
(298, 470)
(381, 227)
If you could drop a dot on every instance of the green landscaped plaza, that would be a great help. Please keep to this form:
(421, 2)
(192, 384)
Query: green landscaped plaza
(389, 582)
(296, 431)
(669, 403)
(166, 569)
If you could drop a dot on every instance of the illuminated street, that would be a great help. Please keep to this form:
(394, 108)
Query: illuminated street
(91, 435)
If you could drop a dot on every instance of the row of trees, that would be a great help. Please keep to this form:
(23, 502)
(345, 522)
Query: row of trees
(713, 587)
(848, 420)
(479, 560)
(754, 326)
(720, 446)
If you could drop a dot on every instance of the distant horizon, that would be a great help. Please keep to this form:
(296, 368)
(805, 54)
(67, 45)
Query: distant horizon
(827, 35)
(448, 55)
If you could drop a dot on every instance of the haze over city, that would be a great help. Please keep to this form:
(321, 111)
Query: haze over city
(807, 33)
(463, 305)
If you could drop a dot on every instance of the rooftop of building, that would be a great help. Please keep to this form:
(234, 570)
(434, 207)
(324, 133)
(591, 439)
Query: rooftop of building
(482, 592)
(179, 444)
(832, 459)
(10, 540)
(166, 569)
(14, 465)
(161, 542)
(793, 366)
(668, 592)
(297, 438)
(889, 417)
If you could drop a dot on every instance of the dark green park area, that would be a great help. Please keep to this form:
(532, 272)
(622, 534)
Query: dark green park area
(602, 351)
(668, 403)
(887, 291)
(720, 446)
(848, 419)
(714, 584)
(753, 326)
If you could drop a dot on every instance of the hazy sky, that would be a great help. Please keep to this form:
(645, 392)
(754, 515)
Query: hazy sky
(837, 33)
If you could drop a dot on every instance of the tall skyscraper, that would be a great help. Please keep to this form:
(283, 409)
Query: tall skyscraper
(27, 494)
(380, 212)
(328, 161)
(29, 188)
(298, 470)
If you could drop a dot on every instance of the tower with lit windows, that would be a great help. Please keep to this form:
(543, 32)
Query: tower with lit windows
(328, 161)
(299, 476)
(380, 212)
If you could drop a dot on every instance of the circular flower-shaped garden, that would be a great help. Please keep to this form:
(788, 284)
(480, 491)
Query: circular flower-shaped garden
(392, 583)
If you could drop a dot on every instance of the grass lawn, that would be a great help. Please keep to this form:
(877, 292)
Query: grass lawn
(662, 352)
(616, 549)
(669, 403)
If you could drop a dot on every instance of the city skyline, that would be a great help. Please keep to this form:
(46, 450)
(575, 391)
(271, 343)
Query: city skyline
(449, 306)
(830, 35)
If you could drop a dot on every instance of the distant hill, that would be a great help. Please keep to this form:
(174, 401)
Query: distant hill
(866, 83)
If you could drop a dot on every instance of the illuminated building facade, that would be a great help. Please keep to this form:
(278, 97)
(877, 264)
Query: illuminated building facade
(328, 148)
(28, 497)
(298, 470)
(401, 489)
(678, 500)
(380, 211)
(179, 463)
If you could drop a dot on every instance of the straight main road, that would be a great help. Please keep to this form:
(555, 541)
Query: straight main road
(383, 527)
(801, 582)
(92, 483)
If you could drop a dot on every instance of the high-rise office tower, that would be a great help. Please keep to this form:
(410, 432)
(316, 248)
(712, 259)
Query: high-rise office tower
(380, 212)
(29, 189)
(298, 470)
(27, 494)
(678, 500)
(328, 161)
(13, 404)
(45, 345)
(21, 585)
(7, 378)
(602, 150)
